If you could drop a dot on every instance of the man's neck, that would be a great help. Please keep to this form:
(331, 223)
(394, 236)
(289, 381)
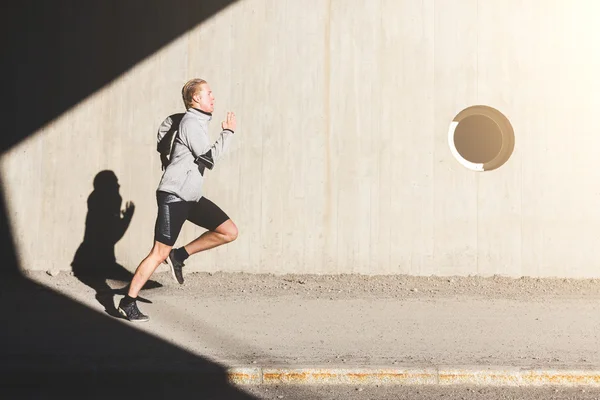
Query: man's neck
(203, 112)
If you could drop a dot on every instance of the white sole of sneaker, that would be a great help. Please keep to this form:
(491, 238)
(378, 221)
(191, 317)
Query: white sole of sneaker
(170, 264)
(124, 314)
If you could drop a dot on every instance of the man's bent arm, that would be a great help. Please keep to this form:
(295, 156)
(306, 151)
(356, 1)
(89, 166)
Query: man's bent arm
(201, 150)
(216, 151)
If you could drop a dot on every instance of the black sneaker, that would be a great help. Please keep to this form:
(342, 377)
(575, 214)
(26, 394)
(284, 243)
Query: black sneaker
(132, 313)
(176, 267)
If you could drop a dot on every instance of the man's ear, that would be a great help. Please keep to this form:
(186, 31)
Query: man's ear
(196, 97)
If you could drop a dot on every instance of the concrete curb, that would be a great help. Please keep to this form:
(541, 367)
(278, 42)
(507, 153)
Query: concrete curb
(474, 376)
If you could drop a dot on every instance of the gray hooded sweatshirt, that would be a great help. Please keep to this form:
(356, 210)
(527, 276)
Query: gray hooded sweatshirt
(182, 177)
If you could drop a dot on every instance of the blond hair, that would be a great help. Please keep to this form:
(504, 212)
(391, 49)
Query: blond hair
(188, 91)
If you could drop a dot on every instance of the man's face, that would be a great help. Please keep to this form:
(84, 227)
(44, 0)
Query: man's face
(205, 98)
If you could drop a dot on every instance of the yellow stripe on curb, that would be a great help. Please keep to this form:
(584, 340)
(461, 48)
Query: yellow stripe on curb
(562, 378)
(485, 376)
(244, 376)
(349, 376)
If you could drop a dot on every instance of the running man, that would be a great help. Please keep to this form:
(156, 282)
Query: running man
(179, 194)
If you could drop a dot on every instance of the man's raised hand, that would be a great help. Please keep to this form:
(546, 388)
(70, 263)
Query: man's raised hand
(229, 123)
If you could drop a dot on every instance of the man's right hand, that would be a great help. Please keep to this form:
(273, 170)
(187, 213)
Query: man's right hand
(229, 123)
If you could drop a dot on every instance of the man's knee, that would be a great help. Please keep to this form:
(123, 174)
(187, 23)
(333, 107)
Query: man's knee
(229, 231)
(232, 235)
(161, 251)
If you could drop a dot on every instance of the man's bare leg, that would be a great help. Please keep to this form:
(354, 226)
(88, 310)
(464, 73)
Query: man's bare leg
(158, 254)
(227, 232)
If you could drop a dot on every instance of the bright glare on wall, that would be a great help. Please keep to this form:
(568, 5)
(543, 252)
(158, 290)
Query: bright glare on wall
(481, 138)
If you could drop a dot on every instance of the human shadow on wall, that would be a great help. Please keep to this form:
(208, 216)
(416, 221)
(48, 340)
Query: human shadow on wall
(105, 224)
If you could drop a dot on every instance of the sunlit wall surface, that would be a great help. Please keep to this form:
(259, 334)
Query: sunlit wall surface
(341, 161)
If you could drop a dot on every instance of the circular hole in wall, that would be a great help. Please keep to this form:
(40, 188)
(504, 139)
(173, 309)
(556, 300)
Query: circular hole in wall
(481, 138)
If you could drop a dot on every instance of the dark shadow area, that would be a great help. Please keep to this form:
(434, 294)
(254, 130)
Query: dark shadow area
(55, 54)
(105, 224)
(53, 347)
(60, 52)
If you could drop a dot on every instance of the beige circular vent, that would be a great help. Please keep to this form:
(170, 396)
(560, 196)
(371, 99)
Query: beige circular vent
(481, 138)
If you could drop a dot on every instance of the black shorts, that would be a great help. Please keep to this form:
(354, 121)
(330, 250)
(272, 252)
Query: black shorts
(173, 212)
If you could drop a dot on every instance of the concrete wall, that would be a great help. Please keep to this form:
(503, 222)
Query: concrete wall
(341, 162)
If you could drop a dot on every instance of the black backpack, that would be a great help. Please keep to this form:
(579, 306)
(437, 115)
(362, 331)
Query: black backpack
(166, 135)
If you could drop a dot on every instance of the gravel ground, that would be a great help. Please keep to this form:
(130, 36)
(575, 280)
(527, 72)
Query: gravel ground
(359, 286)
